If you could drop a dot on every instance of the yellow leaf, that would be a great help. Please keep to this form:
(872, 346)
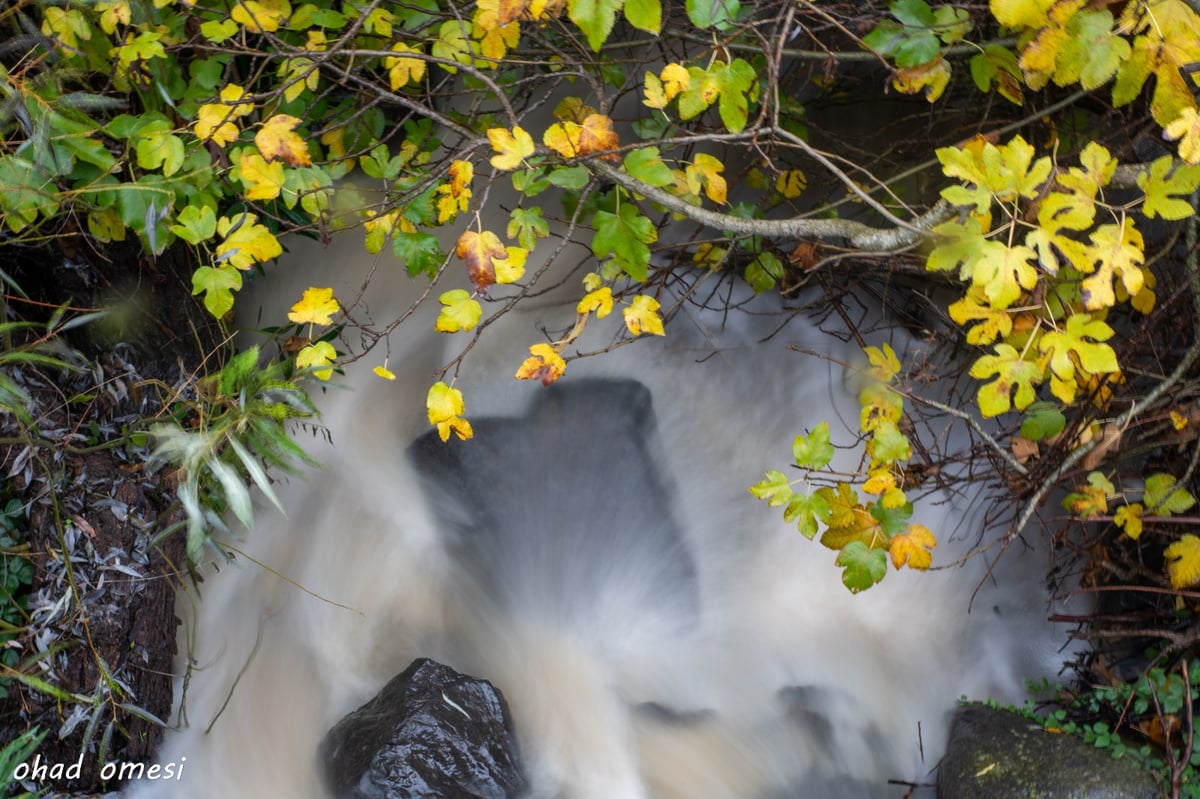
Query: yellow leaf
(573, 139)
(791, 183)
(599, 300)
(913, 548)
(1129, 519)
(884, 363)
(933, 78)
(277, 139)
(455, 195)
(481, 251)
(511, 148)
(445, 407)
(879, 482)
(317, 357)
(494, 43)
(259, 16)
(263, 181)
(112, 14)
(643, 317)
(316, 307)
(384, 372)
(512, 268)
(1178, 420)
(542, 364)
(703, 172)
(246, 242)
(403, 70)
(1187, 129)
(653, 95)
(214, 121)
(459, 312)
(1183, 562)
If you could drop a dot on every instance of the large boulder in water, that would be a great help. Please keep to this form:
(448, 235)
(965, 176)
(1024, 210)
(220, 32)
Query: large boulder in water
(994, 754)
(430, 732)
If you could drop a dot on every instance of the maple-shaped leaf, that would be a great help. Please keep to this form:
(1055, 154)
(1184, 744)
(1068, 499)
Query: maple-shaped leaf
(642, 316)
(246, 242)
(459, 311)
(158, 147)
(880, 405)
(705, 172)
(445, 408)
(932, 78)
(1079, 342)
(913, 548)
(1119, 253)
(1098, 169)
(1005, 172)
(1092, 499)
(813, 451)
(263, 181)
(215, 121)
(1021, 13)
(1186, 129)
(625, 236)
(791, 183)
(259, 16)
(1166, 187)
(420, 252)
(1001, 272)
(494, 40)
(844, 507)
(404, 69)
(1183, 562)
(661, 89)
(544, 364)
(884, 363)
(527, 225)
(318, 358)
(196, 223)
(1012, 372)
(571, 139)
(1165, 497)
(277, 139)
(1129, 519)
(862, 567)
(599, 300)
(511, 148)
(481, 251)
(1092, 52)
(217, 284)
(647, 165)
(991, 323)
(955, 243)
(511, 268)
(1042, 420)
(316, 306)
(808, 511)
(775, 489)
(888, 444)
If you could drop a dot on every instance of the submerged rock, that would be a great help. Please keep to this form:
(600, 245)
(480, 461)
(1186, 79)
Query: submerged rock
(994, 754)
(430, 732)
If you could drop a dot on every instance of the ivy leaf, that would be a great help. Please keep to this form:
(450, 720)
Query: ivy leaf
(808, 511)
(1183, 562)
(913, 548)
(862, 567)
(813, 451)
(1164, 187)
(511, 148)
(544, 364)
(445, 408)
(774, 489)
(315, 307)
(277, 139)
(1011, 371)
(642, 316)
(459, 311)
(217, 284)
(1164, 496)
(1092, 499)
(625, 236)
(480, 251)
(158, 147)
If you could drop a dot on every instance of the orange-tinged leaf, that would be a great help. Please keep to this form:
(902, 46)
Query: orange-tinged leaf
(599, 300)
(574, 139)
(481, 251)
(317, 357)
(913, 548)
(316, 306)
(445, 408)
(1092, 499)
(543, 363)
(1183, 562)
(461, 175)
(277, 139)
(511, 148)
(642, 316)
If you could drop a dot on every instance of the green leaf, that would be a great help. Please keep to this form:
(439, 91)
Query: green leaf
(774, 489)
(1164, 497)
(527, 225)
(158, 147)
(813, 451)
(217, 284)
(1042, 420)
(808, 511)
(888, 445)
(892, 520)
(645, 15)
(421, 252)
(712, 13)
(647, 165)
(862, 567)
(595, 18)
(912, 13)
(624, 236)
(1092, 52)
(734, 82)
(571, 178)
(195, 224)
(763, 272)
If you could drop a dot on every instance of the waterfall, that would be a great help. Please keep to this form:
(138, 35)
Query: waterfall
(683, 642)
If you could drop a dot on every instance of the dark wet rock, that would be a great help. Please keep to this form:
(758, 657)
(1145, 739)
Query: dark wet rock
(994, 754)
(430, 732)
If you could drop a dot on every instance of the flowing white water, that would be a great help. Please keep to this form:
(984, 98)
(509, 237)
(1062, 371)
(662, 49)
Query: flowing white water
(776, 680)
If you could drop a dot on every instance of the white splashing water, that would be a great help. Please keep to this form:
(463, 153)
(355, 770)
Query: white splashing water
(779, 682)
